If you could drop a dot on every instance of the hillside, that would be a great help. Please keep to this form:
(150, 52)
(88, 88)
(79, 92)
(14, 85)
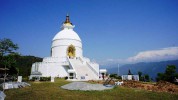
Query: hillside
(151, 68)
(21, 66)
(24, 63)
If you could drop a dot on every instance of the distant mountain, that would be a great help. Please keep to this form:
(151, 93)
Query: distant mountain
(151, 68)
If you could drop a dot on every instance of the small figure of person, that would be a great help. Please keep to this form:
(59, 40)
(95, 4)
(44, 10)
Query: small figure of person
(103, 76)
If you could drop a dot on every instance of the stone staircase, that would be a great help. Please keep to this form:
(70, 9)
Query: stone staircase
(82, 69)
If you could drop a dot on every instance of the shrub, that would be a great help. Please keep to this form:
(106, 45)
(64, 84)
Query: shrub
(45, 78)
(66, 78)
(25, 79)
(33, 79)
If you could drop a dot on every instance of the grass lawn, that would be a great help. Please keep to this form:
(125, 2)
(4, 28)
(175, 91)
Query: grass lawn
(52, 91)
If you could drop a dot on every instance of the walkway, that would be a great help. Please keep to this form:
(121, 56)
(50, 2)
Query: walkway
(84, 86)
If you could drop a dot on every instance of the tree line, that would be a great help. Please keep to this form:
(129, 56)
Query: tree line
(12, 63)
(170, 75)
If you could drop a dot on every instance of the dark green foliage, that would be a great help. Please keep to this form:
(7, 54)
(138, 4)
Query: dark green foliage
(45, 78)
(147, 78)
(7, 47)
(13, 71)
(24, 64)
(25, 79)
(176, 75)
(21, 65)
(169, 74)
(114, 76)
(8, 60)
(7, 56)
(33, 79)
(160, 76)
(7, 53)
(144, 78)
(141, 78)
(139, 74)
(66, 78)
(119, 77)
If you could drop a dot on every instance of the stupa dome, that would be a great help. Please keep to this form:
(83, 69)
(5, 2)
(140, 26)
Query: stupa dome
(67, 31)
(64, 39)
(67, 34)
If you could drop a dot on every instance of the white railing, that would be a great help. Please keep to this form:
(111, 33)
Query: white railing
(71, 66)
(96, 73)
(81, 60)
(54, 59)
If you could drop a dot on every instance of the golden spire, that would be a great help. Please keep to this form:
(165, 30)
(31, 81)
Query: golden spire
(67, 21)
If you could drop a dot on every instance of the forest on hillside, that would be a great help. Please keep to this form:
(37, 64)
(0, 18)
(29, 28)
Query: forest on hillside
(11, 62)
(22, 65)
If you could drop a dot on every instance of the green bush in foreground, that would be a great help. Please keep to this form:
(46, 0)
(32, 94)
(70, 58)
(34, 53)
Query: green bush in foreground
(45, 78)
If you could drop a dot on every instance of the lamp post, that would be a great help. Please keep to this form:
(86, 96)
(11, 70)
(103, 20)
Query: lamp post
(118, 69)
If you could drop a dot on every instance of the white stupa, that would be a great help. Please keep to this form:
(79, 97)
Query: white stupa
(67, 58)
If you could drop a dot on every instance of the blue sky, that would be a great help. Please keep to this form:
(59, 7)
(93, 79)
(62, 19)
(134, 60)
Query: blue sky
(111, 30)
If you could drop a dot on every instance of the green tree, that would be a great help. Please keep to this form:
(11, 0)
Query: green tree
(7, 52)
(160, 76)
(7, 49)
(147, 77)
(169, 74)
(115, 76)
(24, 64)
(139, 74)
(13, 71)
(144, 77)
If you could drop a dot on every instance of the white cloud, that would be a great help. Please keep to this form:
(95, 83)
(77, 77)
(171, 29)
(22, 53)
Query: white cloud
(155, 55)
(170, 53)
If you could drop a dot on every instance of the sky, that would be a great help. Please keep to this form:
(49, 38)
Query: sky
(112, 31)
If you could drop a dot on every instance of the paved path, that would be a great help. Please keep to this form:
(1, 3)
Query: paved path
(84, 86)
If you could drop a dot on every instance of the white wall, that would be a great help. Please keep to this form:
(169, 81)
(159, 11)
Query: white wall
(54, 59)
(51, 69)
(59, 47)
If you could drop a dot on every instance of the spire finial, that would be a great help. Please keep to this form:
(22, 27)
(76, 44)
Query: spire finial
(67, 21)
(67, 24)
